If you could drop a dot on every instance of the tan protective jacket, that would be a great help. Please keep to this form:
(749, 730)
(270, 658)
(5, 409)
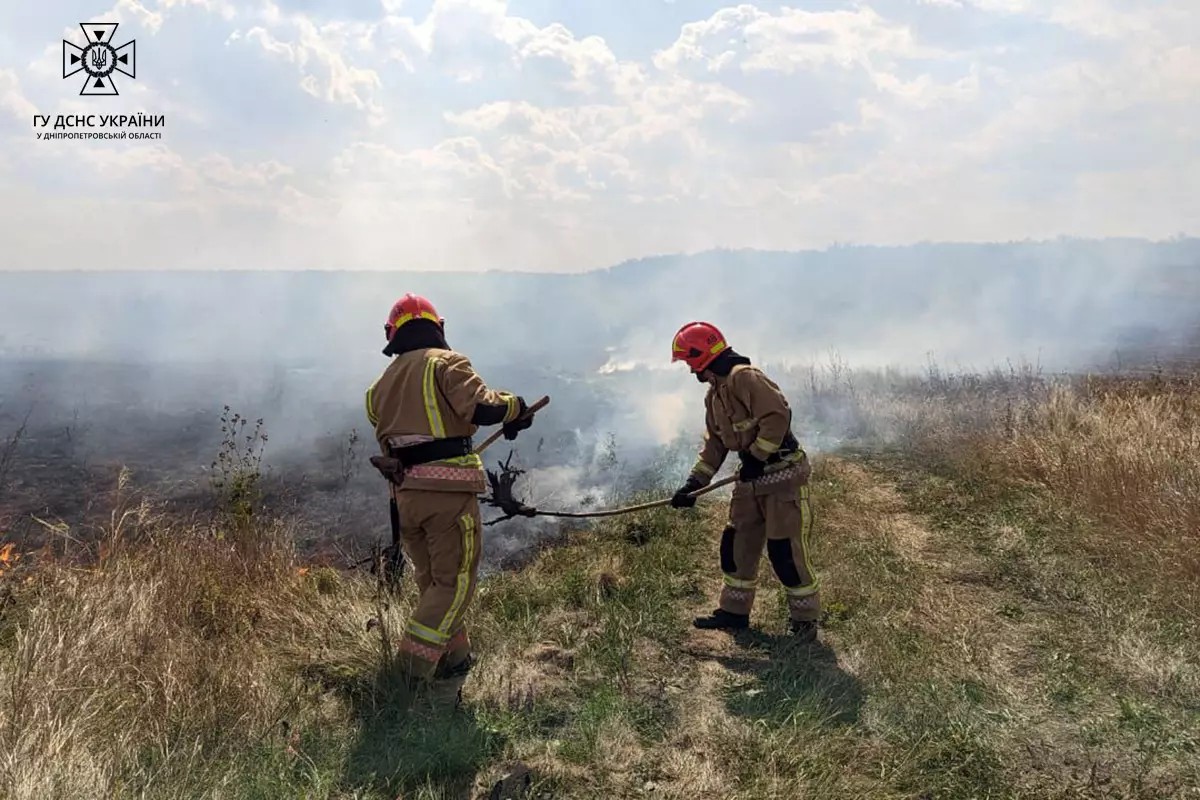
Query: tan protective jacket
(432, 394)
(745, 410)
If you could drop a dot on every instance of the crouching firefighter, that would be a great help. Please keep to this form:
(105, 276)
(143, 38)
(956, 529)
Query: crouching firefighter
(746, 413)
(425, 407)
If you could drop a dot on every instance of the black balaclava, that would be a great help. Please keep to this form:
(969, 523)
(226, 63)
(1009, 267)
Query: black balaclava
(416, 335)
(721, 366)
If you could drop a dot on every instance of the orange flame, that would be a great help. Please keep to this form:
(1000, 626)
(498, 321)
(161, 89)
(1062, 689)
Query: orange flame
(8, 557)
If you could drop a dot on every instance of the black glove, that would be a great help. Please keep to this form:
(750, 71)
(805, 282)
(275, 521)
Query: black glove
(511, 429)
(680, 499)
(751, 467)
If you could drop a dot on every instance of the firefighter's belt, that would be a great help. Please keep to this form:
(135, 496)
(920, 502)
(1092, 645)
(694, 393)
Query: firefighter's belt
(787, 448)
(398, 459)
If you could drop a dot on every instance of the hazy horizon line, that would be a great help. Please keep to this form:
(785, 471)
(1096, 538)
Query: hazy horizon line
(835, 246)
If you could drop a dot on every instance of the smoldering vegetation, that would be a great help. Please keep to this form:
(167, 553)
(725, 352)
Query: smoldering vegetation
(64, 451)
(190, 380)
(1010, 593)
(1006, 549)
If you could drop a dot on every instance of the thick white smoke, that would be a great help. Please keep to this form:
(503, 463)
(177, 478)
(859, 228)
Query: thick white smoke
(135, 368)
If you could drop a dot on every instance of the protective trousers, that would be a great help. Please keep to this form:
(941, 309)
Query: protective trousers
(780, 518)
(442, 534)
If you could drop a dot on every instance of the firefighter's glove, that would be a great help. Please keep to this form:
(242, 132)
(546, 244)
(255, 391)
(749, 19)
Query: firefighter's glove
(751, 467)
(681, 499)
(522, 422)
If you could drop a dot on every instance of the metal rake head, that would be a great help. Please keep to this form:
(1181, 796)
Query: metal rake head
(502, 496)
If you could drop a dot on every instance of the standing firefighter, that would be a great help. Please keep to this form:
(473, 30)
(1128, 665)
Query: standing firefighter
(425, 407)
(746, 413)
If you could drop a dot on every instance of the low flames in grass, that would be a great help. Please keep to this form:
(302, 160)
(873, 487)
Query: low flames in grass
(8, 557)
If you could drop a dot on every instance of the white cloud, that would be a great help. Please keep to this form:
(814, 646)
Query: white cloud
(11, 98)
(750, 39)
(321, 54)
(470, 137)
(153, 20)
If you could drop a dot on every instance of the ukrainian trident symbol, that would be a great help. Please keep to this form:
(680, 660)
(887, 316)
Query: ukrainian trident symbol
(99, 59)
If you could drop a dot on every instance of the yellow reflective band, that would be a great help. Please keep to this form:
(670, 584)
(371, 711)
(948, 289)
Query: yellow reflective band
(371, 416)
(805, 527)
(432, 414)
(403, 318)
(462, 584)
(716, 348)
(745, 425)
(803, 591)
(765, 446)
(471, 461)
(513, 408)
(703, 468)
(738, 583)
(426, 634)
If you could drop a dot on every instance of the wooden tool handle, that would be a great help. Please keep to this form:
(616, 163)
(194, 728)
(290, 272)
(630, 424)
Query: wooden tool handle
(529, 412)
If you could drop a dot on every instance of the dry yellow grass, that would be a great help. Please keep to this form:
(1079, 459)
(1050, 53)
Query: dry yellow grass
(999, 625)
(1123, 453)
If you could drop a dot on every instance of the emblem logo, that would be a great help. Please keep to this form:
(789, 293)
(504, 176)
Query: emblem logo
(99, 59)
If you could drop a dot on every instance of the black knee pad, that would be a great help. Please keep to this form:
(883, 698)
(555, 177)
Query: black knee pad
(780, 553)
(728, 566)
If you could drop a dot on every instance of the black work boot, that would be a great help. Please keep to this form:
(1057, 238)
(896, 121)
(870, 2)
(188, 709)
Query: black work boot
(804, 631)
(722, 619)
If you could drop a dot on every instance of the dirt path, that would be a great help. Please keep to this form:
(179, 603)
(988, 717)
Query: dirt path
(960, 656)
(956, 659)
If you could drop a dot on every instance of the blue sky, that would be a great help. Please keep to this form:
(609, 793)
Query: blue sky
(541, 135)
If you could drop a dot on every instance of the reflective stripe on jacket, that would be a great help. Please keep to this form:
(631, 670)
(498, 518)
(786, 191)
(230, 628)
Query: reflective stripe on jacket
(431, 394)
(745, 410)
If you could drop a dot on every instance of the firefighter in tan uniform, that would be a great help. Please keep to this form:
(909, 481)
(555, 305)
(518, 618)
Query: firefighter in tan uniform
(425, 407)
(746, 413)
